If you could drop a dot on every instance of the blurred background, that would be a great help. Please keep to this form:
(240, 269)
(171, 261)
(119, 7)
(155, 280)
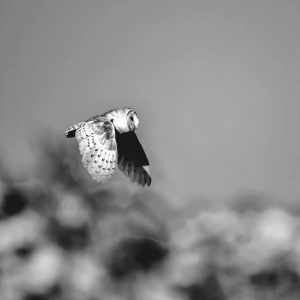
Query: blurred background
(216, 86)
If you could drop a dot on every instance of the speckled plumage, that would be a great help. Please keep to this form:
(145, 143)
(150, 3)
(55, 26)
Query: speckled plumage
(108, 140)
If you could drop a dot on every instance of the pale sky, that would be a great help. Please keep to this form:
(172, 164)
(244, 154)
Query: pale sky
(216, 85)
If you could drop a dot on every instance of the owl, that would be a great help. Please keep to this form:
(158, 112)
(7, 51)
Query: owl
(109, 140)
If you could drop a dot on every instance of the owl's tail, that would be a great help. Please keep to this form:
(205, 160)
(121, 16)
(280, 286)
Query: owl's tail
(71, 130)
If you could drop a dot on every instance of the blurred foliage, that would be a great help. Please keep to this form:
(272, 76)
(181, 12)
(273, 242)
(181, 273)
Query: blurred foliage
(65, 237)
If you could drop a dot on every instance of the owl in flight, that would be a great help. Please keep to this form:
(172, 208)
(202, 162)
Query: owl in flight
(108, 140)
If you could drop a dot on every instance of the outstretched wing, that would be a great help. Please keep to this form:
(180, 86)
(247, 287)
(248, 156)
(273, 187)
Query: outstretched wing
(98, 148)
(132, 160)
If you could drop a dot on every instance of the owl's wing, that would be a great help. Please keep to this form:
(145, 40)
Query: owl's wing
(132, 160)
(97, 145)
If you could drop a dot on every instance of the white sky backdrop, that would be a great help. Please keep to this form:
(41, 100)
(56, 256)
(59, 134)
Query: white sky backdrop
(216, 85)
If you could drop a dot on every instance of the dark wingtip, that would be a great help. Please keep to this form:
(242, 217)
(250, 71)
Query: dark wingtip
(144, 178)
(149, 180)
(70, 133)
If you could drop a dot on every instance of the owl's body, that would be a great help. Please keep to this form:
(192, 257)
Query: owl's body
(108, 140)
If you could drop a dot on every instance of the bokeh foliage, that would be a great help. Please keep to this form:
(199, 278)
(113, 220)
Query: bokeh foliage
(66, 237)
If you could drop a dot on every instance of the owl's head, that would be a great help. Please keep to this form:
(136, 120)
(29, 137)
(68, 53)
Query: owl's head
(124, 119)
(132, 120)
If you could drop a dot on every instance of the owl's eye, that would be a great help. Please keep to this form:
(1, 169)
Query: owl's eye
(131, 118)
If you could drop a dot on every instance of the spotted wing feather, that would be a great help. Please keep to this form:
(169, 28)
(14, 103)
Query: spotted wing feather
(97, 145)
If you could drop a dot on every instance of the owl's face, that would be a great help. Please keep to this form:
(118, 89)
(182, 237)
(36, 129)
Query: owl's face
(124, 119)
(132, 120)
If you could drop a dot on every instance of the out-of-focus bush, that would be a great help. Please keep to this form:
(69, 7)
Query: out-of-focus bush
(64, 237)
